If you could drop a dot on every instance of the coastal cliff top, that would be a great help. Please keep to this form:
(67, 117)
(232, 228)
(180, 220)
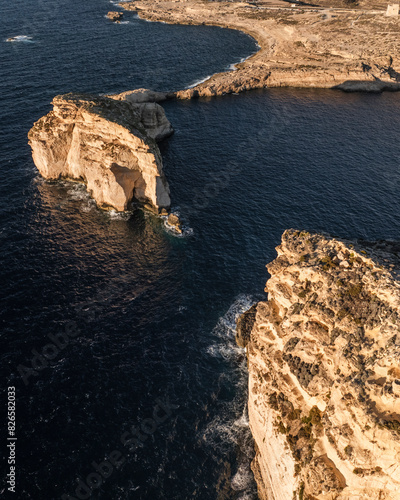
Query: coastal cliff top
(67, 106)
(324, 368)
(353, 45)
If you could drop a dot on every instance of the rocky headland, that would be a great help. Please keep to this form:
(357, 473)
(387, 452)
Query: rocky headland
(348, 45)
(108, 143)
(324, 371)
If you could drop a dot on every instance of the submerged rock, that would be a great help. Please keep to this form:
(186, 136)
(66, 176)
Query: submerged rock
(324, 371)
(108, 144)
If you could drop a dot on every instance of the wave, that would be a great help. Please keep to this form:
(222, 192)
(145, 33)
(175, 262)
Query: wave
(231, 67)
(199, 82)
(115, 215)
(20, 38)
(230, 428)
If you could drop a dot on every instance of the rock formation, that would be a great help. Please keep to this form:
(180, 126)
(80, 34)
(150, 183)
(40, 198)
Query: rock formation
(314, 44)
(174, 223)
(115, 16)
(109, 144)
(142, 95)
(324, 371)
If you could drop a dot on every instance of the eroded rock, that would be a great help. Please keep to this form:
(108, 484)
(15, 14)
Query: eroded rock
(324, 377)
(115, 16)
(174, 222)
(108, 144)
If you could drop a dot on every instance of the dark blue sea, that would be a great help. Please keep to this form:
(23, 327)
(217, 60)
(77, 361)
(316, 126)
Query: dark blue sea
(142, 393)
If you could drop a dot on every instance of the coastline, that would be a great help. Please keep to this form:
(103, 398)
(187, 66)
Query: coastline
(304, 48)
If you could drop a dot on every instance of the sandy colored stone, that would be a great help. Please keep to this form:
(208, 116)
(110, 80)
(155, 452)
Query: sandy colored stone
(324, 376)
(142, 95)
(107, 144)
(115, 16)
(329, 44)
(174, 221)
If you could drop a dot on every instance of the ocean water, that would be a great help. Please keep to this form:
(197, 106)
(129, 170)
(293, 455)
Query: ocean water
(149, 379)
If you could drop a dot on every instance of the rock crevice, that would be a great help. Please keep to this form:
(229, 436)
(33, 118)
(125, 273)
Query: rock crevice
(324, 377)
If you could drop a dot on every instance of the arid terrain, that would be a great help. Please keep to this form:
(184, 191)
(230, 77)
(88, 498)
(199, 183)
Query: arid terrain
(353, 45)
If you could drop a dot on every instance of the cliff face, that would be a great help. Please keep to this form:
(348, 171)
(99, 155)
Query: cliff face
(108, 144)
(324, 371)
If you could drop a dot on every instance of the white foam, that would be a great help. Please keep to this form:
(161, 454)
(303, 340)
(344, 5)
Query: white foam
(89, 206)
(20, 38)
(115, 215)
(230, 427)
(78, 192)
(226, 325)
(199, 82)
(242, 479)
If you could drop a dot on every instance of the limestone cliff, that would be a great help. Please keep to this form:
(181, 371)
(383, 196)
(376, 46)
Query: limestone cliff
(324, 371)
(107, 143)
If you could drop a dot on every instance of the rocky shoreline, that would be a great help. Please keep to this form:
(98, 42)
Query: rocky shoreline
(324, 349)
(324, 378)
(302, 46)
(289, 40)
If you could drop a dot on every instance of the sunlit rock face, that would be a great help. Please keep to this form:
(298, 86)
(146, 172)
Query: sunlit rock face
(108, 144)
(324, 371)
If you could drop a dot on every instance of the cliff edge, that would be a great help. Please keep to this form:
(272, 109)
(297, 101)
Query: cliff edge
(324, 371)
(109, 143)
(349, 45)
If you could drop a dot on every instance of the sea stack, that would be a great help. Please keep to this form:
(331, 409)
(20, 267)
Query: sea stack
(324, 371)
(107, 143)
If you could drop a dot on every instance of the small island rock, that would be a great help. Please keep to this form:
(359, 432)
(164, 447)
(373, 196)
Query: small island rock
(115, 16)
(108, 144)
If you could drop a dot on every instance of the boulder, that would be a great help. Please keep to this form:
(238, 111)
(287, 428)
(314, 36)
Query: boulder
(115, 16)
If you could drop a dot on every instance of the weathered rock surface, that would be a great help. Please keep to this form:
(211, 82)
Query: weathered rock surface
(174, 222)
(324, 372)
(317, 44)
(142, 95)
(107, 144)
(115, 16)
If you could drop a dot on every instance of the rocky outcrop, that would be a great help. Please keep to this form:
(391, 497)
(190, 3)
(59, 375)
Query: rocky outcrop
(174, 223)
(375, 86)
(151, 116)
(115, 16)
(142, 95)
(108, 144)
(324, 371)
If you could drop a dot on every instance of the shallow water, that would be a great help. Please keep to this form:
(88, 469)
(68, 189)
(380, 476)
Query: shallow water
(154, 313)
